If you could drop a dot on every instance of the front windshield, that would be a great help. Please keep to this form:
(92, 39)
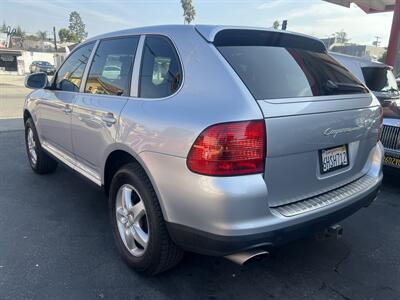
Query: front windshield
(380, 79)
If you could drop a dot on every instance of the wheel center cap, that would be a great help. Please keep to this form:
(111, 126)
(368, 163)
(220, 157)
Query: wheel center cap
(130, 218)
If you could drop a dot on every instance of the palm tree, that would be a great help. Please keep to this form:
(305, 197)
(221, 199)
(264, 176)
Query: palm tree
(42, 35)
(188, 11)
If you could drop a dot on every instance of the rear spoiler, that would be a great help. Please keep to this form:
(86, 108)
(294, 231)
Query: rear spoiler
(252, 36)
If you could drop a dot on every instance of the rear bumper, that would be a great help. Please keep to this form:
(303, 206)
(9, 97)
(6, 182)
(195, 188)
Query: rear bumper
(223, 215)
(202, 242)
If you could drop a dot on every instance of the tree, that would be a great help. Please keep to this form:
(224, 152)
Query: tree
(4, 27)
(276, 24)
(188, 11)
(19, 32)
(65, 35)
(42, 35)
(76, 26)
(341, 37)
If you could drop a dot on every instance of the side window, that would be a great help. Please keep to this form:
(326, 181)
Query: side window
(69, 76)
(110, 72)
(161, 73)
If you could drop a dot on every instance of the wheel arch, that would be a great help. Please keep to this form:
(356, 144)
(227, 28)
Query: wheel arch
(27, 115)
(118, 156)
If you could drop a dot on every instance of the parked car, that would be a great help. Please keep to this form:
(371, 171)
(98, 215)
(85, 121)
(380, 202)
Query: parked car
(41, 66)
(380, 80)
(218, 140)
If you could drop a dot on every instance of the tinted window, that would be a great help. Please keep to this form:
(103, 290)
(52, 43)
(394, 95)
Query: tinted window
(161, 73)
(110, 72)
(69, 76)
(278, 72)
(379, 79)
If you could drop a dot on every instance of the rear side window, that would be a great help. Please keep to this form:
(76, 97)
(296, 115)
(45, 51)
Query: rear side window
(69, 76)
(272, 67)
(161, 73)
(379, 79)
(110, 72)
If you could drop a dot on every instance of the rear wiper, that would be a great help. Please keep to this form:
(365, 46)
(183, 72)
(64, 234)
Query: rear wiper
(345, 87)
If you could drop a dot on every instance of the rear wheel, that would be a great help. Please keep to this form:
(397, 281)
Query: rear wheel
(138, 224)
(39, 160)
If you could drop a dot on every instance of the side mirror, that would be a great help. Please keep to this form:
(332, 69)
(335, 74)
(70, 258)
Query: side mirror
(36, 81)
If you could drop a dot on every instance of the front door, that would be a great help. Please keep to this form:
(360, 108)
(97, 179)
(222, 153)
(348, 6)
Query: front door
(56, 103)
(96, 112)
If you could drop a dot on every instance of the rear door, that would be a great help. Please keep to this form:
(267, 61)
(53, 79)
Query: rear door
(321, 121)
(97, 110)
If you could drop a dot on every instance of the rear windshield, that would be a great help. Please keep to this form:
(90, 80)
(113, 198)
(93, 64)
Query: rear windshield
(379, 79)
(43, 63)
(272, 67)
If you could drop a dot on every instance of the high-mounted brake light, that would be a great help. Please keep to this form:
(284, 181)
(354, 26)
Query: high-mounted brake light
(229, 149)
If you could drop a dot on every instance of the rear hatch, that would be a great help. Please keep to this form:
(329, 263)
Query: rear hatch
(321, 121)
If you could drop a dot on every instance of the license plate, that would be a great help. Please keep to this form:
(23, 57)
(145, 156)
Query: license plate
(391, 161)
(332, 159)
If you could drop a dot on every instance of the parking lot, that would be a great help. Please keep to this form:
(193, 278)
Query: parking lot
(56, 242)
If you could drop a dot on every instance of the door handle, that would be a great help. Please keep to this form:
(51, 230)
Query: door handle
(109, 119)
(67, 109)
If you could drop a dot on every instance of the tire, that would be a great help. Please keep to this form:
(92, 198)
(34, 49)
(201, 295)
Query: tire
(43, 163)
(159, 253)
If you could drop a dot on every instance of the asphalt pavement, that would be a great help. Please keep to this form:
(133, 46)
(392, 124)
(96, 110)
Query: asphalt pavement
(56, 243)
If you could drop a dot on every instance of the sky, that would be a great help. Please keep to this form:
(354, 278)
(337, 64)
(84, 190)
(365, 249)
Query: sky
(313, 17)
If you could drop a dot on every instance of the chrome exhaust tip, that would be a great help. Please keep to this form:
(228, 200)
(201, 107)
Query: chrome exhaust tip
(242, 258)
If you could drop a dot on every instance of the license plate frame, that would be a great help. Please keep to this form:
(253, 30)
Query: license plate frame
(342, 165)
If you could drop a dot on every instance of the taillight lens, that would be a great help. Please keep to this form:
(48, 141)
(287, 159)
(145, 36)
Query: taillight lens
(380, 123)
(229, 149)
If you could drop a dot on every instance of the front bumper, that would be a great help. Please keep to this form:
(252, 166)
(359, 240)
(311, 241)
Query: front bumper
(224, 215)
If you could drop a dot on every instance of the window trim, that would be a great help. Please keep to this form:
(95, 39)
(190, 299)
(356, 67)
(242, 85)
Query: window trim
(137, 79)
(53, 81)
(86, 73)
(87, 67)
(137, 66)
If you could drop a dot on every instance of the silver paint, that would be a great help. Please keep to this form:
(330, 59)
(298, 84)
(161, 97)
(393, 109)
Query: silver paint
(159, 133)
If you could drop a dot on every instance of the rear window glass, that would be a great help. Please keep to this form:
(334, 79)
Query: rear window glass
(286, 69)
(379, 79)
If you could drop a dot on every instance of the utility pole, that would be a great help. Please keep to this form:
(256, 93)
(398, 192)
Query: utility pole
(55, 38)
(55, 47)
(377, 42)
(284, 24)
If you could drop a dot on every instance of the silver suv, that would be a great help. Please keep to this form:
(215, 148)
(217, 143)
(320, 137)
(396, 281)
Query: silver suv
(217, 140)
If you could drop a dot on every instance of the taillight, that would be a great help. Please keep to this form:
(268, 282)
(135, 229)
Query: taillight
(380, 124)
(229, 149)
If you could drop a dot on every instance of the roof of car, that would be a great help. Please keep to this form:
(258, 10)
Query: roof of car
(207, 31)
(364, 62)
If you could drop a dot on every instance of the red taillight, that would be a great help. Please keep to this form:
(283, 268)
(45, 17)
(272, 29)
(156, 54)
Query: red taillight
(229, 149)
(380, 123)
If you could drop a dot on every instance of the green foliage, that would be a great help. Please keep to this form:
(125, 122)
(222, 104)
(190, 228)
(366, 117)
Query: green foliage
(65, 35)
(341, 36)
(188, 11)
(276, 24)
(42, 35)
(3, 27)
(76, 26)
(19, 32)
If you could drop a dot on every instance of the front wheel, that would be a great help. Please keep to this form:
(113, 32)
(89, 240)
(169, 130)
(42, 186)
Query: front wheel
(39, 160)
(138, 224)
